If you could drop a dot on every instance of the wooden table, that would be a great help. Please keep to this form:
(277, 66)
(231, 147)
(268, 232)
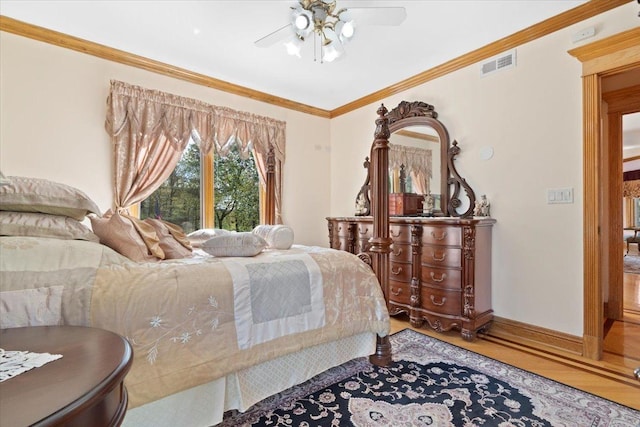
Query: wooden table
(83, 388)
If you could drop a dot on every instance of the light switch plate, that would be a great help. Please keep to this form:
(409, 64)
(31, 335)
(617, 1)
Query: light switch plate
(560, 195)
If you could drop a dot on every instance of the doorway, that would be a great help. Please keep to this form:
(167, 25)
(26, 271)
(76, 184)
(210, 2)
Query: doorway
(621, 121)
(602, 217)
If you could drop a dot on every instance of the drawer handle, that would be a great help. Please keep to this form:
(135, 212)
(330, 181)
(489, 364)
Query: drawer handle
(397, 271)
(442, 237)
(396, 291)
(397, 253)
(395, 235)
(444, 255)
(366, 230)
(433, 300)
(442, 277)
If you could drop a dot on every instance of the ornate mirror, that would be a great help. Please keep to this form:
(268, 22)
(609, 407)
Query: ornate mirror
(423, 180)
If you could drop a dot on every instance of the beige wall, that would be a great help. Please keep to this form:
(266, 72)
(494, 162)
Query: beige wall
(531, 115)
(52, 108)
(52, 111)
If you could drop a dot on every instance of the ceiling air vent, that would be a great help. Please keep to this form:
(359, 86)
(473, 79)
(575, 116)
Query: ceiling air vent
(500, 62)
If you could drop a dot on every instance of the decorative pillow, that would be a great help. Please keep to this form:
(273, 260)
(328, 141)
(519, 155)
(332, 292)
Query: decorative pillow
(235, 244)
(44, 225)
(277, 236)
(120, 234)
(40, 195)
(198, 237)
(173, 241)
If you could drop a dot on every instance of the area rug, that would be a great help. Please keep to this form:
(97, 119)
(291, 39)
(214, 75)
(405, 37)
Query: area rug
(632, 264)
(433, 383)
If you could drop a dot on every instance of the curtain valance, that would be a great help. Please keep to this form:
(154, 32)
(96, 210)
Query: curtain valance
(181, 118)
(631, 188)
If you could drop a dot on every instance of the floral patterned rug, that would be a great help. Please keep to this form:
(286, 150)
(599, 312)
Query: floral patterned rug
(632, 264)
(433, 383)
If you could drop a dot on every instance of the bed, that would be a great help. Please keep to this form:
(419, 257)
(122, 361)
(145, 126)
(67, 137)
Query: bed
(209, 333)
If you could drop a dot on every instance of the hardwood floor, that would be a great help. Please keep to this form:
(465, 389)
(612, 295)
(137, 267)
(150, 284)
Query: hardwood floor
(570, 370)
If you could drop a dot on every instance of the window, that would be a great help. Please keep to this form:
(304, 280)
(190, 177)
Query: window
(233, 193)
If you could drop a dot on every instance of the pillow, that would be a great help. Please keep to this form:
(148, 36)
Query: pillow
(235, 244)
(276, 236)
(44, 225)
(40, 195)
(198, 237)
(173, 241)
(120, 234)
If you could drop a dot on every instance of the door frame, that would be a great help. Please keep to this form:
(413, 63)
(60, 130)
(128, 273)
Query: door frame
(599, 59)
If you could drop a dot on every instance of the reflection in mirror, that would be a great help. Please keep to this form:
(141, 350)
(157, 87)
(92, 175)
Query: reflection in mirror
(415, 150)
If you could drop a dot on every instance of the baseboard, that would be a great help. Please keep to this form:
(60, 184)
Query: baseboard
(554, 345)
(534, 336)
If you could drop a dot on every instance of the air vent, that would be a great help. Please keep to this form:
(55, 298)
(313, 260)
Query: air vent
(500, 62)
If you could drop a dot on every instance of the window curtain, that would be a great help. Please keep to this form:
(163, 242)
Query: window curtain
(631, 188)
(150, 130)
(417, 163)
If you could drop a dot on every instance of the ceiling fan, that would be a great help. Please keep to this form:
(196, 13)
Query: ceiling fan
(327, 26)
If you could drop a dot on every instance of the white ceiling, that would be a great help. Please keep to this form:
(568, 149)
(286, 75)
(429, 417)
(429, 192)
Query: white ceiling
(216, 38)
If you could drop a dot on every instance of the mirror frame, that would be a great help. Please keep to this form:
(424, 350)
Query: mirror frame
(419, 113)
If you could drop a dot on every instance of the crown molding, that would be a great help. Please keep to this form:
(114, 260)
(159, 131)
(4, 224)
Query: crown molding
(541, 29)
(35, 32)
(570, 17)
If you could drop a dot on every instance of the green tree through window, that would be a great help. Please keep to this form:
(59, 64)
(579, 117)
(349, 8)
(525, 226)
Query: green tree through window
(236, 193)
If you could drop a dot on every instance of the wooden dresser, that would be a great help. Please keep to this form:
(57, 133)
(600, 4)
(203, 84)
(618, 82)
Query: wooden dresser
(440, 268)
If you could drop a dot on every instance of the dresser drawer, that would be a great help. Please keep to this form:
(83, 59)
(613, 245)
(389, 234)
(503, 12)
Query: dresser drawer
(399, 292)
(441, 235)
(400, 252)
(441, 301)
(400, 271)
(365, 230)
(448, 278)
(440, 256)
(400, 233)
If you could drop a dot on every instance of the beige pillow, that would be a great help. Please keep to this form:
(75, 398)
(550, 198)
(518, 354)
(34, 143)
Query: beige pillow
(235, 244)
(24, 194)
(173, 241)
(198, 237)
(119, 233)
(44, 225)
(277, 236)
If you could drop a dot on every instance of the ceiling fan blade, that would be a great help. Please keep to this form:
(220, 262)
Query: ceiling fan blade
(278, 35)
(378, 15)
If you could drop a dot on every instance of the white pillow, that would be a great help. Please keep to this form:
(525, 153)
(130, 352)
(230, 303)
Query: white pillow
(235, 244)
(198, 237)
(277, 236)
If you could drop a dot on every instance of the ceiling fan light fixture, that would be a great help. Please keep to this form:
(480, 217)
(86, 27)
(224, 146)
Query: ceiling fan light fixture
(345, 30)
(302, 21)
(294, 47)
(331, 52)
(330, 26)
